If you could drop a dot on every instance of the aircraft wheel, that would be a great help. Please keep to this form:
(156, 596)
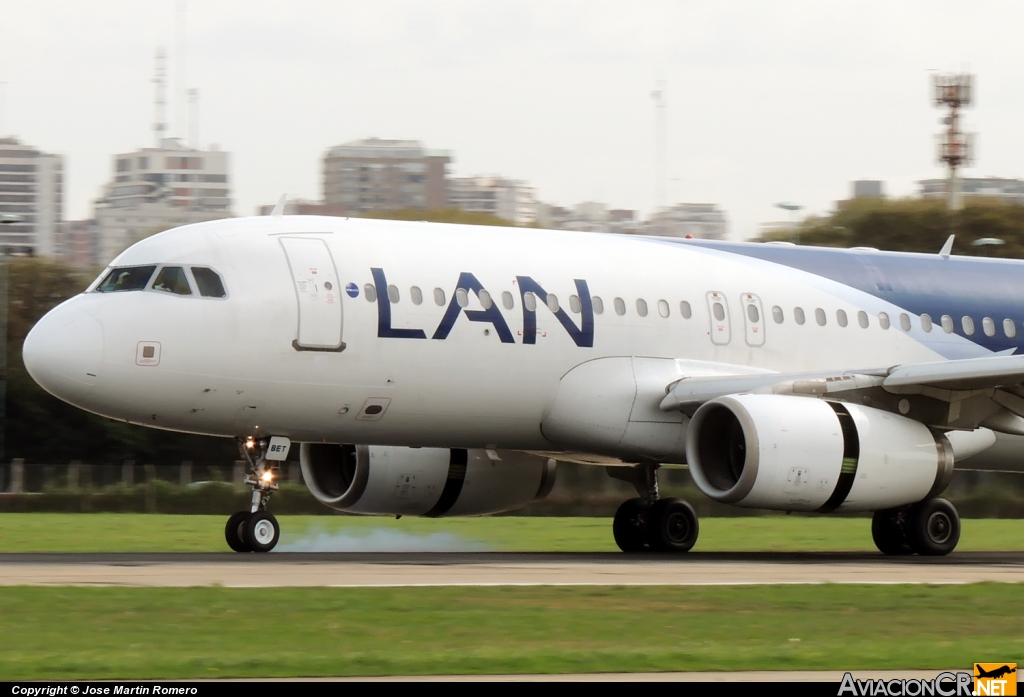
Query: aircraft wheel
(262, 531)
(933, 527)
(234, 531)
(887, 530)
(629, 526)
(673, 526)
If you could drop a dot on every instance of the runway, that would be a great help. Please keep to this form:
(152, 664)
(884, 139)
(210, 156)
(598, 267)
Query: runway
(496, 569)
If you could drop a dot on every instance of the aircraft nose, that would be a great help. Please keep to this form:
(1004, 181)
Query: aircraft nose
(64, 352)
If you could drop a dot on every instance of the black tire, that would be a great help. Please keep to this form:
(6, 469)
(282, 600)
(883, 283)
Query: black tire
(673, 526)
(629, 526)
(234, 531)
(262, 532)
(933, 527)
(888, 529)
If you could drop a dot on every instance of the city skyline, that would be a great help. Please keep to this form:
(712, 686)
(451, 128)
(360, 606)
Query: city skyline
(787, 103)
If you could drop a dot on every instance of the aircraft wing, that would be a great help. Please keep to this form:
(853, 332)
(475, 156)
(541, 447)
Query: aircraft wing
(959, 394)
(967, 374)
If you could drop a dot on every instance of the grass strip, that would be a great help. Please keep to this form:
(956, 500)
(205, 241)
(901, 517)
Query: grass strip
(130, 532)
(139, 633)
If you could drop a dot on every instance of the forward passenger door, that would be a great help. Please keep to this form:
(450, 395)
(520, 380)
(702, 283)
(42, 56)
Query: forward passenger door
(317, 292)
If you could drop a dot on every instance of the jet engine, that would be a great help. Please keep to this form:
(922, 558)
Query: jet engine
(429, 482)
(804, 454)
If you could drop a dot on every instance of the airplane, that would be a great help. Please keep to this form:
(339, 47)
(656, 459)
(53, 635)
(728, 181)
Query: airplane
(443, 370)
(995, 673)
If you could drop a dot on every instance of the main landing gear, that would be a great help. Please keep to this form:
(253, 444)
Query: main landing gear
(929, 528)
(651, 523)
(255, 530)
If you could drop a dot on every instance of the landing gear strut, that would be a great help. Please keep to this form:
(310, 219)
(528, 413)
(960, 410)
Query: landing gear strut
(650, 522)
(929, 528)
(255, 530)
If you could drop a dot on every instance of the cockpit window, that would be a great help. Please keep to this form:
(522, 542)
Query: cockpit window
(210, 285)
(126, 278)
(171, 279)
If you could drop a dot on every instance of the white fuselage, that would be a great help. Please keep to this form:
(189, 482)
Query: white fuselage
(236, 366)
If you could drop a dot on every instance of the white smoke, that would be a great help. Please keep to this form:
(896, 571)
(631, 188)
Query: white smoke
(377, 540)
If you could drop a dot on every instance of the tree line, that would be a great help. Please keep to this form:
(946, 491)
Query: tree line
(916, 225)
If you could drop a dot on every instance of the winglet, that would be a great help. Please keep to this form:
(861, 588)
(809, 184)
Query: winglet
(279, 208)
(947, 248)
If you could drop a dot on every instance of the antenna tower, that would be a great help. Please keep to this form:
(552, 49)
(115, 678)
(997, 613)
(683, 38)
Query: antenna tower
(160, 80)
(956, 148)
(181, 92)
(659, 104)
(193, 118)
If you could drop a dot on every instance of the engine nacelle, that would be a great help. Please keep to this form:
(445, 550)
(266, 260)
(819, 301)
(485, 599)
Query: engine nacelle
(430, 482)
(804, 454)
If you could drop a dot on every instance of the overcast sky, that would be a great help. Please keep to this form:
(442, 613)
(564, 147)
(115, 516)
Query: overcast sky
(786, 100)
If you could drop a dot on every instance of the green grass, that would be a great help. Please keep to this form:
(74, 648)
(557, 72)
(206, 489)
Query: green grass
(126, 532)
(65, 633)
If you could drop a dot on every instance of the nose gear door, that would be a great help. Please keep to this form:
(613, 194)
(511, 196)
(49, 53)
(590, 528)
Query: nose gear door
(318, 293)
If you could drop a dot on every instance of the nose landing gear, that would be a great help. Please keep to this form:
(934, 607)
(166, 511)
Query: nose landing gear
(255, 530)
(651, 523)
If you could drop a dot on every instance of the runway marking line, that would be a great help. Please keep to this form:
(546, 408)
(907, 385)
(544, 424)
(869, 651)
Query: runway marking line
(526, 584)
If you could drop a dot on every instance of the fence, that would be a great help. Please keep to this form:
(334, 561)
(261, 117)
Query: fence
(580, 490)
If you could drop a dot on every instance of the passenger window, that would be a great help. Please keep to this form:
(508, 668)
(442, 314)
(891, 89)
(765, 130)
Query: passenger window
(507, 300)
(439, 298)
(416, 295)
(1009, 328)
(926, 322)
(620, 306)
(598, 305)
(819, 317)
(171, 279)
(841, 318)
(393, 295)
(462, 297)
(752, 314)
(862, 319)
(485, 300)
(685, 310)
(209, 283)
(947, 324)
(552, 302)
(530, 301)
(641, 307)
(663, 308)
(883, 320)
(988, 326)
(798, 315)
(126, 278)
(905, 321)
(370, 292)
(968, 325)
(718, 311)
(777, 315)
(574, 304)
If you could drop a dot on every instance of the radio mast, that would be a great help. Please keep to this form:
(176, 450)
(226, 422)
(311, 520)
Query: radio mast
(660, 136)
(956, 148)
(160, 103)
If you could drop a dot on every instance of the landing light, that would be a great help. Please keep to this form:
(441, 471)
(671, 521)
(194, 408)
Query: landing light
(268, 476)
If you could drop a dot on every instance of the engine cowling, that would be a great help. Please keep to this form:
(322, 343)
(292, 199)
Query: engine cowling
(430, 482)
(803, 454)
